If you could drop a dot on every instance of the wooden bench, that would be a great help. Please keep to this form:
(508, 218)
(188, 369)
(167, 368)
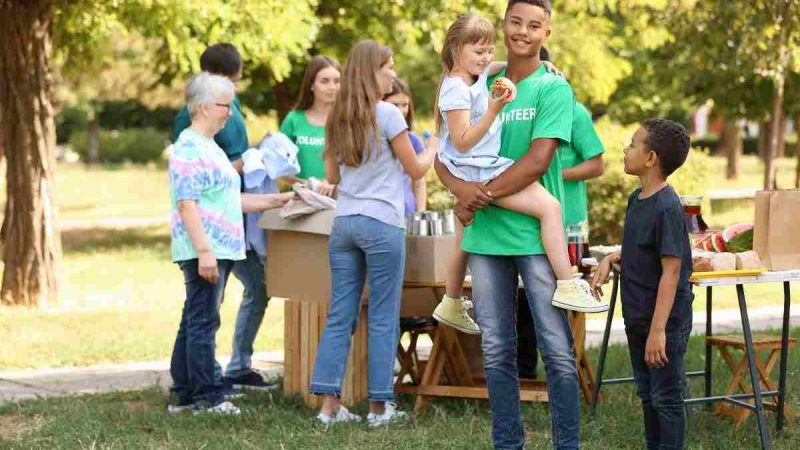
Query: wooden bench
(722, 200)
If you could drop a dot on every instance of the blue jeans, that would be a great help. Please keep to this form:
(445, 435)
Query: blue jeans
(494, 281)
(250, 271)
(359, 248)
(661, 390)
(193, 363)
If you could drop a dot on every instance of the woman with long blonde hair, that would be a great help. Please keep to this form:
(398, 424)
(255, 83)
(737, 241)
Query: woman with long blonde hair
(367, 151)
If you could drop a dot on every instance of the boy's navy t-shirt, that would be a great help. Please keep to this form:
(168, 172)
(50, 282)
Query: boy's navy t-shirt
(654, 227)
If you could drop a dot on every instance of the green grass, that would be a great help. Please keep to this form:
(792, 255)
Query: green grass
(100, 193)
(751, 176)
(121, 300)
(136, 420)
(121, 296)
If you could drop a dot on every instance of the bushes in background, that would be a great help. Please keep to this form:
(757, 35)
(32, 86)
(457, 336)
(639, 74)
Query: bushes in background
(749, 144)
(113, 115)
(133, 145)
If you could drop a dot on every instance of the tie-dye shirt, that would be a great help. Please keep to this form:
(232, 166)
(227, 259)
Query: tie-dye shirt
(200, 171)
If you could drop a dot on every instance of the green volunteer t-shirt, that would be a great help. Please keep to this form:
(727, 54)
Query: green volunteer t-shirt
(543, 109)
(232, 139)
(585, 146)
(310, 141)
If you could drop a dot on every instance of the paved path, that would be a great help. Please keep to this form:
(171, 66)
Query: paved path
(26, 384)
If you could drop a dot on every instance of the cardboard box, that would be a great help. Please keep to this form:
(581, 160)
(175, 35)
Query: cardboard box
(297, 256)
(427, 258)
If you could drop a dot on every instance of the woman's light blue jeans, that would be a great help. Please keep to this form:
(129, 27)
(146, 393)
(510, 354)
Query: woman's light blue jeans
(362, 248)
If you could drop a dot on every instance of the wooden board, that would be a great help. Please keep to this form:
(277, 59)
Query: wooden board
(303, 327)
(726, 273)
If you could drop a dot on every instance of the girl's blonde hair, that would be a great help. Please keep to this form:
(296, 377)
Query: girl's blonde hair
(352, 128)
(467, 29)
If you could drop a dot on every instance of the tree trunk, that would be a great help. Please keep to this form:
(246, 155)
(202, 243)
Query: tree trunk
(763, 139)
(32, 242)
(93, 153)
(2, 141)
(731, 143)
(772, 149)
(780, 151)
(783, 11)
(281, 92)
(797, 151)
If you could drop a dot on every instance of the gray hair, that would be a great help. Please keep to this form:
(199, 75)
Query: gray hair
(205, 88)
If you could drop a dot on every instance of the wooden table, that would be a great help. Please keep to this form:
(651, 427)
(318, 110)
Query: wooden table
(784, 277)
(448, 360)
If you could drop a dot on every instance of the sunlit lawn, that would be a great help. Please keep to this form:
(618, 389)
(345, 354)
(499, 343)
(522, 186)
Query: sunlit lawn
(137, 420)
(121, 300)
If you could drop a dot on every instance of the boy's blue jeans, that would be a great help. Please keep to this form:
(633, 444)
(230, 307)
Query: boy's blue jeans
(661, 390)
(250, 271)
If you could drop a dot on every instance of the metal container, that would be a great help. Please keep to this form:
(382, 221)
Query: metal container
(421, 228)
(431, 215)
(436, 227)
(449, 222)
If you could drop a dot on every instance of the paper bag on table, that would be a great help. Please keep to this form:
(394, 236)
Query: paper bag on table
(775, 235)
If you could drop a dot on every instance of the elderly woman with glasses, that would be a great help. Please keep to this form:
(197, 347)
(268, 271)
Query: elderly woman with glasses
(207, 237)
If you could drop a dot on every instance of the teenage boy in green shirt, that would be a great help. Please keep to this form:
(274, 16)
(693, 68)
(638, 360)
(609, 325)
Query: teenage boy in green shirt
(502, 244)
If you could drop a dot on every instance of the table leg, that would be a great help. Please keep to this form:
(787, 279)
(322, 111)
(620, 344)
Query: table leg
(604, 347)
(754, 380)
(707, 386)
(787, 302)
(433, 371)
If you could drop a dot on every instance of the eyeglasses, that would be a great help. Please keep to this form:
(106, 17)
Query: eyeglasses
(224, 105)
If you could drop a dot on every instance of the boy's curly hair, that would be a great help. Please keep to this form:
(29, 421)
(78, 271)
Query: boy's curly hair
(669, 140)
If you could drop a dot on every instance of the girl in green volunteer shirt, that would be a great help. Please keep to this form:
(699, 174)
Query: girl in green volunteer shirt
(305, 125)
(470, 123)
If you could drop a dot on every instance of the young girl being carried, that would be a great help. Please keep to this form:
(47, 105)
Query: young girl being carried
(468, 123)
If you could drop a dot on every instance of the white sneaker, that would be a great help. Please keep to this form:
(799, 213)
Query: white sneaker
(341, 416)
(178, 409)
(224, 409)
(390, 415)
(576, 295)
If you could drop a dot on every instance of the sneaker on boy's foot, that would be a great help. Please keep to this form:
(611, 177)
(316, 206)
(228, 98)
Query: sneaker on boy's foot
(576, 295)
(251, 381)
(390, 415)
(224, 408)
(453, 312)
(179, 408)
(341, 416)
(230, 392)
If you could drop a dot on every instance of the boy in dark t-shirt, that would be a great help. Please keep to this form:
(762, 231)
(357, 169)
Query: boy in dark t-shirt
(656, 262)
